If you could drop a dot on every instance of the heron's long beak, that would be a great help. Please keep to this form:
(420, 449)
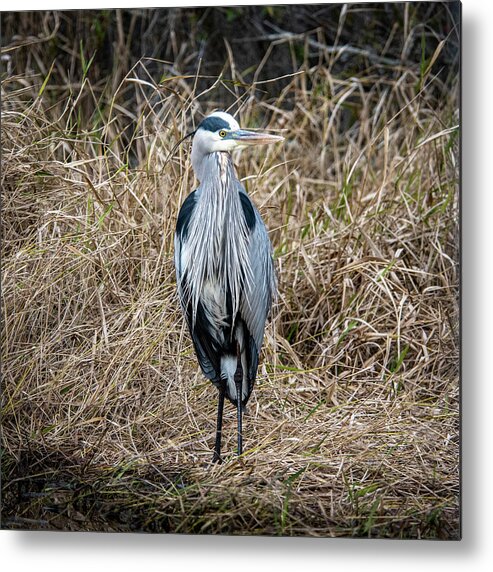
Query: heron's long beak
(254, 138)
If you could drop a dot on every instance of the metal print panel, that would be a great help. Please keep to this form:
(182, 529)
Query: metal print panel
(230, 281)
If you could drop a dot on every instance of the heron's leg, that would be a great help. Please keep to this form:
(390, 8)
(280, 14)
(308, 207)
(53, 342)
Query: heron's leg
(239, 414)
(239, 409)
(219, 427)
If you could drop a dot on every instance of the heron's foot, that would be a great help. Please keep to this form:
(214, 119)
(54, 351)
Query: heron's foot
(216, 458)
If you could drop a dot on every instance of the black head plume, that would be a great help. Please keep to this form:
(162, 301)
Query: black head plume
(172, 152)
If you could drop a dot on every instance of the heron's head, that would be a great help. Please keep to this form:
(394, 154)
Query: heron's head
(220, 132)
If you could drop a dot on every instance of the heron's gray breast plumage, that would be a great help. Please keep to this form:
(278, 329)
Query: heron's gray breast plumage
(223, 260)
(215, 255)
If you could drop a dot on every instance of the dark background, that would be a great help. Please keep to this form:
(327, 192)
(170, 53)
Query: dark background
(187, 38)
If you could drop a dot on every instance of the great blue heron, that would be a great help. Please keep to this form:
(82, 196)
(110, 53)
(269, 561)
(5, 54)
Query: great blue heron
(223, 259)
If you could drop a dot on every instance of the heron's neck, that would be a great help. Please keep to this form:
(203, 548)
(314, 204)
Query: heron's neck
(214, 169)
(219, 199)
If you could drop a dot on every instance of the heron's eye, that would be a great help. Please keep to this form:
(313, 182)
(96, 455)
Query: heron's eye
(222, 133)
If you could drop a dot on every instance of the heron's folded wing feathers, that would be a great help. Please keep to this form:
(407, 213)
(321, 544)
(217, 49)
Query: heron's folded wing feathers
(206, 354)
(260, 290)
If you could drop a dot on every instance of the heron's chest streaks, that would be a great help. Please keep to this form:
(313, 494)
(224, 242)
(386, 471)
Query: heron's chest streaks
(216, 257)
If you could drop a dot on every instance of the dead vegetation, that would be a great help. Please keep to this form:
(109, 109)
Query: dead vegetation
(353, 428)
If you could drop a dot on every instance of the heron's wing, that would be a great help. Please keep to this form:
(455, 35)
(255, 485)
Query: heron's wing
(261, 285)
(206, 353)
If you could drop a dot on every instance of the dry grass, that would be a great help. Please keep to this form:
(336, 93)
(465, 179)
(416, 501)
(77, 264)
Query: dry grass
(353, 426)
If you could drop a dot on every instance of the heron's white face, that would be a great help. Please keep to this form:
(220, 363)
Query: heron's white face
(214, 133)
(221, 132)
